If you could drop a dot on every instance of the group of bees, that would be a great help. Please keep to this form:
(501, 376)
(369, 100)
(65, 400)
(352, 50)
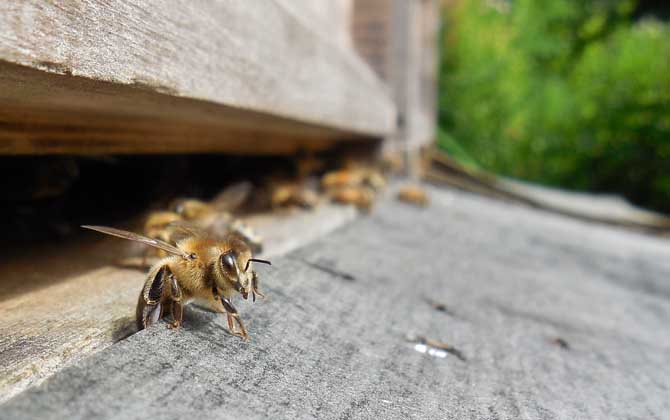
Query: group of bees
(204, 253)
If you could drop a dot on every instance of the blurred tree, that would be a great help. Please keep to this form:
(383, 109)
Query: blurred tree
(568, 93)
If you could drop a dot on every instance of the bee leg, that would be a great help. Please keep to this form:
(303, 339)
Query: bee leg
(232, 314)
(177, 307)
(254, 287)
(148, 315)
(149, 307)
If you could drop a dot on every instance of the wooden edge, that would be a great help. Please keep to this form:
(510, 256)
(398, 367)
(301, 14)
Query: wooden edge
(259, 57)
(44, 113)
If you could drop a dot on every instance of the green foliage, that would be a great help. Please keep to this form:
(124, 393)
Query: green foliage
(564, 92)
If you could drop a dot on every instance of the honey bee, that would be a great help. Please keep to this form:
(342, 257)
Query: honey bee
(414, 195)
(222, 205)
(292, 193)
(214, 216)
(355, 184)
(341, 178)
(361, 197)
(200, 268)
(354, 176)
(155, 225)
(158, 225)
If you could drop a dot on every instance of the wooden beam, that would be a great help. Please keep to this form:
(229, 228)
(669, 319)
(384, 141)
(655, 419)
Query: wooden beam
(151, 77)
(44, 113)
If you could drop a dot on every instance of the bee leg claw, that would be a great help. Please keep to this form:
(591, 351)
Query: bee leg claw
(177, 314)
(177, 308)
(254, 288)
(232, 316)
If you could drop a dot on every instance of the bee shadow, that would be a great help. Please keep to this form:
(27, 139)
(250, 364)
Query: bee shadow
(123, 328)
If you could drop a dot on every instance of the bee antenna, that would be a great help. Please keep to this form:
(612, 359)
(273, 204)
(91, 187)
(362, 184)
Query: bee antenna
(256, 260)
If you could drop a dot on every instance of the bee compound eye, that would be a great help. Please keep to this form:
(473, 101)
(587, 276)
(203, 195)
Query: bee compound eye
(228, 261)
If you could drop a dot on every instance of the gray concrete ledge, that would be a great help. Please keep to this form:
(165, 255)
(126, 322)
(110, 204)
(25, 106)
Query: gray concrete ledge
(332, 339)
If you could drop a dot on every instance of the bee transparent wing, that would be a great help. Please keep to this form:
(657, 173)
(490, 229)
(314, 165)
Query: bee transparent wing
(232, 197)
(156, 243)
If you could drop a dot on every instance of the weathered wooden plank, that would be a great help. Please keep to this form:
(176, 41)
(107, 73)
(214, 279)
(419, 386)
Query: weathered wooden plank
(190, 66)
(60, 304)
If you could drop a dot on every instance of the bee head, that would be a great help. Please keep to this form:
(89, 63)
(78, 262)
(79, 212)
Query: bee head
(230, 268)
(233, 268)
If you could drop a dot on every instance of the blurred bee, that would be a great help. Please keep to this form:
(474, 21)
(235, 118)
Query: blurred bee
(353, 176)
(156, 223)
(214, 216)
(221, 205)
(199, 267)
(414, 195)
(356, 185)
(292, 194)
(362, 197)
(340, 178)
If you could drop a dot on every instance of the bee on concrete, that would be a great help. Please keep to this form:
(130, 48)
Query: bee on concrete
(292, 194)
(361, 197)
(415, 195)
(199, 267)
(191, 209)
(357, 185)
(340, 178)
(365, 176)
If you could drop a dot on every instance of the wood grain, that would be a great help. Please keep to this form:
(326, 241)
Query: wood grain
(224, 75)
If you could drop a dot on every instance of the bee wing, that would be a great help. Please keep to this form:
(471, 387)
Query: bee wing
(156, 243)
(232, 197)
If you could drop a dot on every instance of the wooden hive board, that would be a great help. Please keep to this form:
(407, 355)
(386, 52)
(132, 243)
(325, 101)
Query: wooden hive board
(243, 77)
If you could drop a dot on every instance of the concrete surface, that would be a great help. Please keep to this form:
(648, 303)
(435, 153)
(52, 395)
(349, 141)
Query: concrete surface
(555, 318)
